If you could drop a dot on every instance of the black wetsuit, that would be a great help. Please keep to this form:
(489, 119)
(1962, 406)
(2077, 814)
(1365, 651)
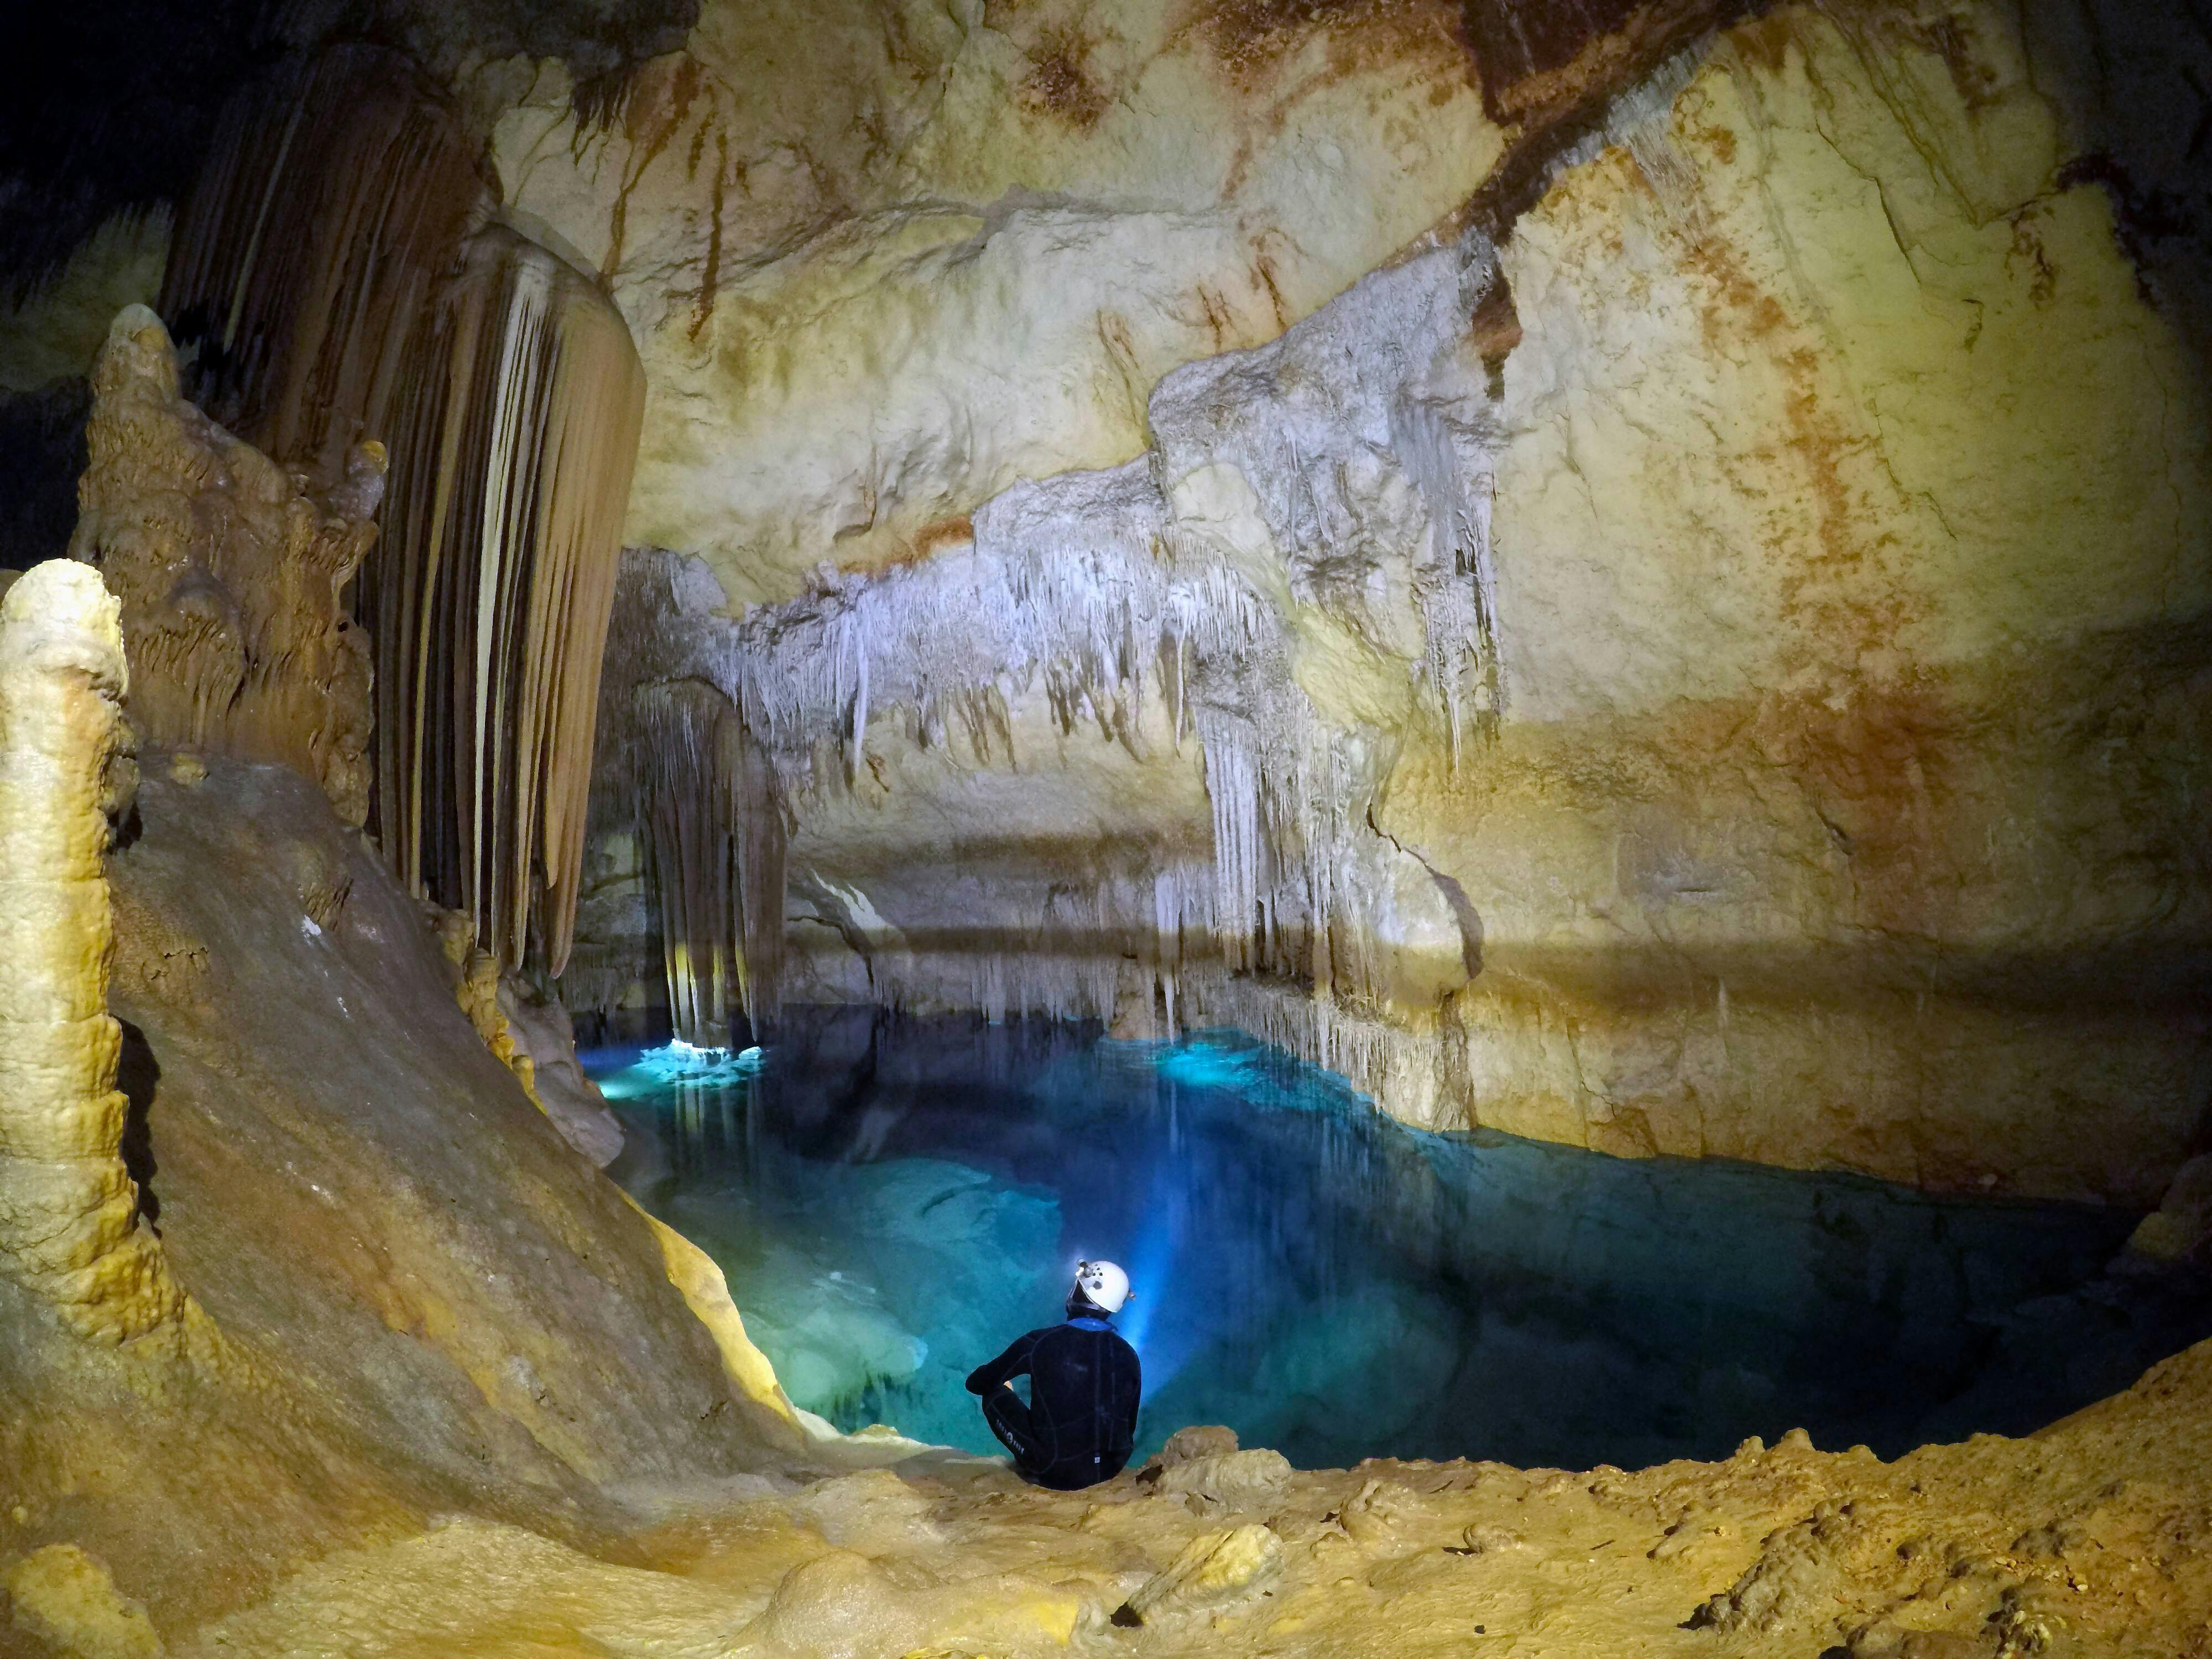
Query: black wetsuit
(1081, 1420)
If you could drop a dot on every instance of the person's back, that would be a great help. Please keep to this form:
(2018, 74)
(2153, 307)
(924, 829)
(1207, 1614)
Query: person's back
(1080, 1423)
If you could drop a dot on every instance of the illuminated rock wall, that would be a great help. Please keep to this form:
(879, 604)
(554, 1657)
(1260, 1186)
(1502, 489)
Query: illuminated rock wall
(881, 265)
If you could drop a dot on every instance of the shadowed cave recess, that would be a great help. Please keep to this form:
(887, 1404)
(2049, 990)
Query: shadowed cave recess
(1517, 694)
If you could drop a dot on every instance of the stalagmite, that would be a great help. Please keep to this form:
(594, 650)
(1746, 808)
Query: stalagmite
(70, 1228)
(230, 575)
(330, 208)
(514, 431)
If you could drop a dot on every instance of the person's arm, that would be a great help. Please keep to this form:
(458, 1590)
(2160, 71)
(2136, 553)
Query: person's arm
(1014, 1363)
(1136, 1392)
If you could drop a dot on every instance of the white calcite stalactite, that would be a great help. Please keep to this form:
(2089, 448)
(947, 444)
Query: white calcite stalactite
(69, 1227)
(333, 201)
(514, 433)
(230, 572)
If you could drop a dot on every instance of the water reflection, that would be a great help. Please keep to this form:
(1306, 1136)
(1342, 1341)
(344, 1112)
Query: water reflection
(894, 1200)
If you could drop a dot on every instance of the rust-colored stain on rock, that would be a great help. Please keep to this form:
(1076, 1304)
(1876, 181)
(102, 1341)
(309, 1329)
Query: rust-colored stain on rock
(1251, 39)
(1060, 83)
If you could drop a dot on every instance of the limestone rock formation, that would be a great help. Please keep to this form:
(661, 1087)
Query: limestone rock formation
(2083, 1540)
(339, 276)
(1215, 1573)
(335, 195)
(51, 334)
(544, 1035)
(70, 1227)
(232, 574)
(66, 1599)
(878, 276)
(2180, 1228)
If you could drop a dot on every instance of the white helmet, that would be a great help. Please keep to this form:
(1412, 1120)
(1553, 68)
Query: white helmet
(1103, 1285)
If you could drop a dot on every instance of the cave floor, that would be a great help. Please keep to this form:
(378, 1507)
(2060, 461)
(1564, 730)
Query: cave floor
(2088, 1539)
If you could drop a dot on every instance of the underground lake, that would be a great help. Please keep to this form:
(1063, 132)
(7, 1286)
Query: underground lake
(894, 1199)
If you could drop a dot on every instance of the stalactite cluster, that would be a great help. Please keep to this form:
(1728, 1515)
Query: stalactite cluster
(339, 276)
(1322, 500)
(231, 574)
(329, 212)
(1104, 593)
(513, 435)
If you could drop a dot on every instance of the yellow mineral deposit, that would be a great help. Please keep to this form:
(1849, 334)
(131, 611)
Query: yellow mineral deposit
(69, 1227)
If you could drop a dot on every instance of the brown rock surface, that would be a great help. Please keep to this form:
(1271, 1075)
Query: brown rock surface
(230, 574)
(2087, 1539)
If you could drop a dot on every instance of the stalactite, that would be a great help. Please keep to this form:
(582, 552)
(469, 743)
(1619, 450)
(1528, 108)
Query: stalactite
(337, 270)
(332, 205)
(1449, 459)
(710, 817)
(230, 573)
(515, 430)
(69, 1227)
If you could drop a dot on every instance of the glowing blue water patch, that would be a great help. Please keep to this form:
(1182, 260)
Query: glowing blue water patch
(1256, 1074)
(1173, 1259)
(677, 1063)
(680, 1062)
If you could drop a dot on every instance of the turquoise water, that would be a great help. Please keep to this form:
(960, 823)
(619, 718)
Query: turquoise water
(894, 1201)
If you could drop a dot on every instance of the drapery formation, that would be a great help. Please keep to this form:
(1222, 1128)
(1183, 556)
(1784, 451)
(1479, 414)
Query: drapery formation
(329, 211)
(714, 829)
(339, 272)
(514, 432)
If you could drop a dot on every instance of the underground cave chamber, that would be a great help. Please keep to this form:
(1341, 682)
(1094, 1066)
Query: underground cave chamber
(1516, 695)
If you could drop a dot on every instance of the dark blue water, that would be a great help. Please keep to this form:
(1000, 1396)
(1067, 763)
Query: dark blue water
(894, 1201)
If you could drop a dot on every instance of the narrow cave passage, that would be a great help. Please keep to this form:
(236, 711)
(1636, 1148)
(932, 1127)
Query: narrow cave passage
(900, 1196)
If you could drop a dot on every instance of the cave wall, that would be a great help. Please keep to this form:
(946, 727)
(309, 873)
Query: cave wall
(1851, 584)
(1628, 573)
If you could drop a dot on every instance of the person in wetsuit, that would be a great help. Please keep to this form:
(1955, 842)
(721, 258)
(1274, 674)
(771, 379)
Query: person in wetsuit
(1081, 1419)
